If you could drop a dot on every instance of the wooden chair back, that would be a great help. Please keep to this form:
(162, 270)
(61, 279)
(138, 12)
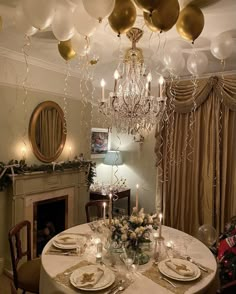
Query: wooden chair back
(98, 205)
(17, 253)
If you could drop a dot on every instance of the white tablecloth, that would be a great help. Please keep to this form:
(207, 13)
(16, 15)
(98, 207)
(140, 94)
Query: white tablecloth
(54, 264)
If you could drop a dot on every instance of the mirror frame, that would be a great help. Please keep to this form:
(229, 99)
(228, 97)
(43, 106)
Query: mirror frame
(32, 131)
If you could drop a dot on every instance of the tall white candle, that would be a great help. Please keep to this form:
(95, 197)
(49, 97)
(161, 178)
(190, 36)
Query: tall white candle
(161, 82)
(137, 188)
(160, 223)
(103, 89)
(104, 211)
(110, 208)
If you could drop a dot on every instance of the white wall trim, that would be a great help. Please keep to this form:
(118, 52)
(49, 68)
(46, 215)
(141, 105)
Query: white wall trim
(29, 89)
(13, 55)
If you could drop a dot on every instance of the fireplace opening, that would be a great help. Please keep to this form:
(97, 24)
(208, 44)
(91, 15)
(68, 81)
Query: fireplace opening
(50, 218)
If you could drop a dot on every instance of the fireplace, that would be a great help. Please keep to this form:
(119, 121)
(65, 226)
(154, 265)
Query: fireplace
(32, 196)
(50, 218)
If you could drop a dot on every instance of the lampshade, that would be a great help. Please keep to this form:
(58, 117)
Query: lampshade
(113, 158)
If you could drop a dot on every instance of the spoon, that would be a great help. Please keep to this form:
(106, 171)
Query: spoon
(121, 288)
(197, 264)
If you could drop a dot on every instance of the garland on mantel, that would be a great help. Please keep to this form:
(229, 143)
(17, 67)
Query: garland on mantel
(15, 167)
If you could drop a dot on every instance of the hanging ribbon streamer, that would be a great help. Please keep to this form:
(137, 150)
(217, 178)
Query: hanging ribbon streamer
(25, 50)
(65, 103)
(11, 167)
(192, 119)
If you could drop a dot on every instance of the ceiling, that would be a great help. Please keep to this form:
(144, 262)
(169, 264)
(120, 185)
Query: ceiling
(219, 17)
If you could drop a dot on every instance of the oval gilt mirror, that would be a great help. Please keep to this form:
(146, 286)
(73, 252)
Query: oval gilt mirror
(46, 131)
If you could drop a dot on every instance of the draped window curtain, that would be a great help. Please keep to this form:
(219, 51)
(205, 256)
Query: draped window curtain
(196, 154)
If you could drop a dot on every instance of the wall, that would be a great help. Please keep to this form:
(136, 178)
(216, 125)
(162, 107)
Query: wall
(14, 118)
(138, 168)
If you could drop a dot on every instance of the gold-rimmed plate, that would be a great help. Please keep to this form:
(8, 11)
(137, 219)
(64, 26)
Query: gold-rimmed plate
(168, 272)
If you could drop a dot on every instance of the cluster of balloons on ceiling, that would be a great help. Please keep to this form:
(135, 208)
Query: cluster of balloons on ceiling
(73, 22)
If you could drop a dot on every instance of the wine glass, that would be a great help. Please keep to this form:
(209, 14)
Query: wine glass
(129, 258)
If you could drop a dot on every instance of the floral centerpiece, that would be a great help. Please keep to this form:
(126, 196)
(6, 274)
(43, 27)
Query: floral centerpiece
(131, 232)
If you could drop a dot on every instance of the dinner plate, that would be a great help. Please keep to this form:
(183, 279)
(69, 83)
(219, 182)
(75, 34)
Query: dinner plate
(106, 280)
(72, 240)
(165, 270)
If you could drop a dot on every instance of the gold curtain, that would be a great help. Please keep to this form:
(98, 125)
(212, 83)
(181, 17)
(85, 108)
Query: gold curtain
(196, 154)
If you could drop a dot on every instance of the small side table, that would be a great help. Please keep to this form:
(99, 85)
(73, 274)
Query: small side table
(121, 194)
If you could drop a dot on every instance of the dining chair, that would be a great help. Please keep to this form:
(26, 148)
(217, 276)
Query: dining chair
(13, 288)
(98, 205)
(26, 271)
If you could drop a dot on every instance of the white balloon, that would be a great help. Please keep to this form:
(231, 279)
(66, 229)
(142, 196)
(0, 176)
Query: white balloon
(99, 9)
(22, 25)
(79, 44)
(39, 13)
(222, 46)
(178, 67)
(62, 25)
(173, 60)
(83, 22)
(197, 63)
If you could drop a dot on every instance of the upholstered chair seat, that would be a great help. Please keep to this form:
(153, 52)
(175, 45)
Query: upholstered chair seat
(30, 269)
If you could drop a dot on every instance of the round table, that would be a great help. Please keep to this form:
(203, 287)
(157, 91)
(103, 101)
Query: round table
(55, 264)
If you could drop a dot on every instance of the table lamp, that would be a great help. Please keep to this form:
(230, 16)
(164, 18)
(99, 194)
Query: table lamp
(113, 158)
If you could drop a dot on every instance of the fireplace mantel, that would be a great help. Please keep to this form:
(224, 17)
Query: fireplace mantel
(26, 185)
(27, 189)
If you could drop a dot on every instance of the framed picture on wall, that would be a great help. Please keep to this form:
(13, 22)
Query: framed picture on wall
(99, 142)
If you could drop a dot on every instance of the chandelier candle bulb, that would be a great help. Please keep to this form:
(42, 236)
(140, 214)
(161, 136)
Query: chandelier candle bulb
(161, 82)
(110, 208)
(160, 221)
(116, 77)
(103, 89)
(137, 189)
(104, 211)
(149, 79)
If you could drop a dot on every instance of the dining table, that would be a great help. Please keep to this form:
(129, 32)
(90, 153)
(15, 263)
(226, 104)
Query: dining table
(58, 264)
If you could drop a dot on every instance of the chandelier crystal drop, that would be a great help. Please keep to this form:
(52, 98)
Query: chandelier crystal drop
(131, 107)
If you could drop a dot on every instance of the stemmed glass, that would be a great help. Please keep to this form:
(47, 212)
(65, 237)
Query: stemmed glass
(129, 258)
(187, 240)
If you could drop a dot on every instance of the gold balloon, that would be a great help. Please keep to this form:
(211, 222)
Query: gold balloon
(190, 22)
(66, 50)
(123, 16)
(164, 17)
(147, 5)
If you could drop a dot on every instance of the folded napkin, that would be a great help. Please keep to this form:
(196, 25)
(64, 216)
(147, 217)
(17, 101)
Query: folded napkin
(89, 278)
(180, 268)
(65, 240)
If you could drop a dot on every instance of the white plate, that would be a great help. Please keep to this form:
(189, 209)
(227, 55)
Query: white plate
(165, 270)
(106, 280)
(73, 238)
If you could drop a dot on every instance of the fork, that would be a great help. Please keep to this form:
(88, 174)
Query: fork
(168, 281)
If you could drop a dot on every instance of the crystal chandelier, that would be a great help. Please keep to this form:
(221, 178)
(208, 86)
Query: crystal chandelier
(131, 107)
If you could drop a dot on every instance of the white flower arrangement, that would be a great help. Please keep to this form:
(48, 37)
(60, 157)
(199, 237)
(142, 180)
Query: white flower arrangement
(133, 230)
